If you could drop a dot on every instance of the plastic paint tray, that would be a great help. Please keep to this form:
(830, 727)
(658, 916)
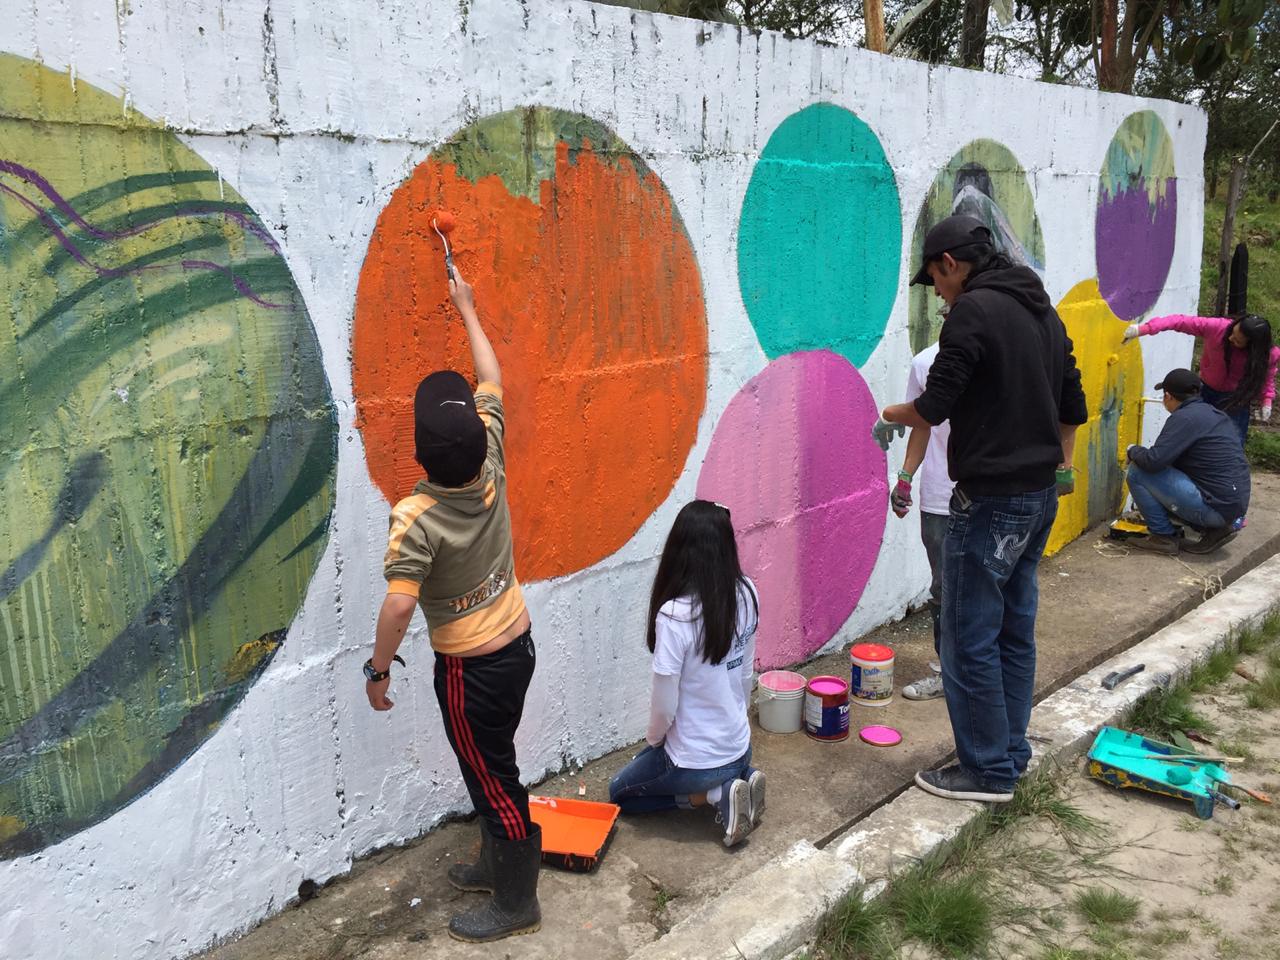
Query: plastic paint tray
(575, 833)
(1112, 760)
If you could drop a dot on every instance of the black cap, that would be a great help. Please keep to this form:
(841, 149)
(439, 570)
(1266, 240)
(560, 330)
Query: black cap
(950, 234)
(448, 435)
(1181, 383)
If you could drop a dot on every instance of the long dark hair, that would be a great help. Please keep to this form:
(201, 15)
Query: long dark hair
(1257, 334)
(700, 561)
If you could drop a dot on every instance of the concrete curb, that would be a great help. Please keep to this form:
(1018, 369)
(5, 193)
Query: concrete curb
(776, 909)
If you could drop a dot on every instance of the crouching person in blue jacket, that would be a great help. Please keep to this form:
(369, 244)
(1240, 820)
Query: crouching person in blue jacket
(1195, 471)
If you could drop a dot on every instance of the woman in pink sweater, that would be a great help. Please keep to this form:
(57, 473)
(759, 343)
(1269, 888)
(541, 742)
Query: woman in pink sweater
(1238, 365)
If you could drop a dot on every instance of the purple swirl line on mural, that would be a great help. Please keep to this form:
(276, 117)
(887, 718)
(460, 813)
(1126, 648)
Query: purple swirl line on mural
(44, 186)
(55, 228)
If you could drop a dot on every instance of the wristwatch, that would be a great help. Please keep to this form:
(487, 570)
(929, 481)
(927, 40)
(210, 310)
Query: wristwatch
(378, 675)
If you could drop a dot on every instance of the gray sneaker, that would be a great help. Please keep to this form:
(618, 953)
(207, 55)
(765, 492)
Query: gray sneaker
(734, 812)
(957, 783)
(755, 786)
(930, 688)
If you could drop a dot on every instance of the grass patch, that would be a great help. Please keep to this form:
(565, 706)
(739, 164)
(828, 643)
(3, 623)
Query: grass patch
(1237, 748)
(1162, 712)
(1265, 694)
(1040, 795)
(1104, 907)
(1262, 449)
(1257, 224)
(1213, 671)
(1063, 953)
(951, 915)
(857, 929)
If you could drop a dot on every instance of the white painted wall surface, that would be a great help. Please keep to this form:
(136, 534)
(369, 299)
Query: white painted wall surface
(316, 126)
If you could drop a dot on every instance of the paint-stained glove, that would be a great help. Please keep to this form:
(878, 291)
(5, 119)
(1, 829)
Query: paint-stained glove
(1266, 410)
(1066, 480)
(1131, 332)
(883, 432)
(900, 495)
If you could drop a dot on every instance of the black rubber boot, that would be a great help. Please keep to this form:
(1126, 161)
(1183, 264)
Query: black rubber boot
(476, 877)
(513, 908)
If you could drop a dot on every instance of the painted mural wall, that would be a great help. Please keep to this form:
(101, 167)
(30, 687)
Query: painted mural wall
(690, 246)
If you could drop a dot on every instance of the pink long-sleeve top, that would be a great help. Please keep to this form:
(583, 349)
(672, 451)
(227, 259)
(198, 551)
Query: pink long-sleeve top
(1214, 370)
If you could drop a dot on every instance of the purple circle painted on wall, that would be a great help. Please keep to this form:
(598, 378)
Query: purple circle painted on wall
(793, 460)
(1137, 215)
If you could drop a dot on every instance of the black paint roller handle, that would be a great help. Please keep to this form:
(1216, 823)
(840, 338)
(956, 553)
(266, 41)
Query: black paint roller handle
(1117, 677)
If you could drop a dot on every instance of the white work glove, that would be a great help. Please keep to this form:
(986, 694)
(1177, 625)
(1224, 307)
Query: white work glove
(883, 432)
(1266, 409)
(1131, 332)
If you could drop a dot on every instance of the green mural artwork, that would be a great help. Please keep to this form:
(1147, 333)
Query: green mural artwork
(983, 180)
(169, 446)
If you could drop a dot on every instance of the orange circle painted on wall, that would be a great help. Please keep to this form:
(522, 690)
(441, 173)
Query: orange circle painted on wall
(587, 285)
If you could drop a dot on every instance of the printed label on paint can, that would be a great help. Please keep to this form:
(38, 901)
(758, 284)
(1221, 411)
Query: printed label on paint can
(872, 684)
(826, 709)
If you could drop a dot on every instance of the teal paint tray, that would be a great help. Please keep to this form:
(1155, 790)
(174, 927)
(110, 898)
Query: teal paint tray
(1117, 757)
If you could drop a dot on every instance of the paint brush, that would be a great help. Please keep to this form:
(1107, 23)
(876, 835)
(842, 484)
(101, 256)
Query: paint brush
(442, 222)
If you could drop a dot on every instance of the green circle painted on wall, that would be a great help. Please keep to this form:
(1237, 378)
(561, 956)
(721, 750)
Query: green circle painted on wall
(820, 237)
(168, 442)
(983, 180)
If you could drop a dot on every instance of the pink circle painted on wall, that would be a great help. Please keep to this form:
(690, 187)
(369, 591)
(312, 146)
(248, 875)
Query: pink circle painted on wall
(793, 460)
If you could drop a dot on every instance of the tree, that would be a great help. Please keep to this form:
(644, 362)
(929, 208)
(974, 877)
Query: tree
(1055, 35)
(1127, 33)
(1241, 98)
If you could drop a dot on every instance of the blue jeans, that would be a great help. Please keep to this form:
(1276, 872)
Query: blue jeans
(1167, 491)
(989, 599)
(1239, 418)
(651, 782)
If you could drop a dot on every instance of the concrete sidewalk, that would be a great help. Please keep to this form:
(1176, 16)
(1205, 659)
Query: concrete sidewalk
(661, 870)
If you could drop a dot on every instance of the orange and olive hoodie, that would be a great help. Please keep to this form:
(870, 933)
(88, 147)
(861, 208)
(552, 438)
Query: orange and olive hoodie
(450, 547)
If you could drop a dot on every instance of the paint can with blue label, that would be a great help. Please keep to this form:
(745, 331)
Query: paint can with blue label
(871, 674)
(826, 709)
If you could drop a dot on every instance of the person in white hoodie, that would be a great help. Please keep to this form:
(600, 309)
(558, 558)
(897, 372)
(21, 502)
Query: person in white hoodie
(703, 615)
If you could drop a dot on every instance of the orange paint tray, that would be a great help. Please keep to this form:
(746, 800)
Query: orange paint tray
(575, 833)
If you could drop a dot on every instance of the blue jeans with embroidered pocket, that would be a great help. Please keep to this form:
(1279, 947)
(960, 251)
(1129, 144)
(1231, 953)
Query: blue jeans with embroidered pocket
(989, 599)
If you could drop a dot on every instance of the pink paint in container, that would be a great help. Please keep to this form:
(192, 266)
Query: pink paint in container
(781, 701)
(826, 709)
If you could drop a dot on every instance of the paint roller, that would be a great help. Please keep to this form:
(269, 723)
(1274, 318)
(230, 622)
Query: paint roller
(443, 222)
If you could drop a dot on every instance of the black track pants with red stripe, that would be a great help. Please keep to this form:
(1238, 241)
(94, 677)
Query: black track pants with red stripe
(481, 699)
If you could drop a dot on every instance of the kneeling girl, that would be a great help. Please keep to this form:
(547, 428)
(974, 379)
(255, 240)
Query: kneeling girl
(703, 614)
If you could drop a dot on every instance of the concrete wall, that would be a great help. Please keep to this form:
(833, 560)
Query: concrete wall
(690, 245)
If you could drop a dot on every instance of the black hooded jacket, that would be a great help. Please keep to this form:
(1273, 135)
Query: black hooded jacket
(1006, 378)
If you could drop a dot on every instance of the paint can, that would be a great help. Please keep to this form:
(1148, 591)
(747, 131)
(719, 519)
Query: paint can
(826, 709)
(781, 701)
(871, 674)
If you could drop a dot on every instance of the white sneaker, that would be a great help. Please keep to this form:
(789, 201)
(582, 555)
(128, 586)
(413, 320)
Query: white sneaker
(930, 688)
(755, 787)
(735, 812)
(936, 667)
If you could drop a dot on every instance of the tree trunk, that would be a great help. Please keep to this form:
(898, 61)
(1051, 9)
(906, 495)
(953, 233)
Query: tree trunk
(1108, 69)
(1234, 189)
(873, 17)
(973, 36)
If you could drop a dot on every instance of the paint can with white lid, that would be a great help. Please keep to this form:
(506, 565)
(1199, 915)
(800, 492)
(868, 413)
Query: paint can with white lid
(781, 701)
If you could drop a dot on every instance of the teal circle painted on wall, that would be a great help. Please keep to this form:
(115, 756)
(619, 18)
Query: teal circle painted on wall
(820, 237)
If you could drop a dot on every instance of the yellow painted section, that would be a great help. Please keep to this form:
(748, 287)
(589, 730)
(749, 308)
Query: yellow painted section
(1111, 373)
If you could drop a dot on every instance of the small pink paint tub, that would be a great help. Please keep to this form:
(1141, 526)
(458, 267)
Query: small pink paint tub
(826, 709)
(781, 701)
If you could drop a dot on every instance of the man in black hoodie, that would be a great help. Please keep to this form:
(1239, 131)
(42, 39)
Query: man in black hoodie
(1006, 378)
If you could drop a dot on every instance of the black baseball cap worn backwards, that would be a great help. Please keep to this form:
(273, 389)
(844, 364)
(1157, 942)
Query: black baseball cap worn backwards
(449, 437)
(950, 234)
(1180, 382)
